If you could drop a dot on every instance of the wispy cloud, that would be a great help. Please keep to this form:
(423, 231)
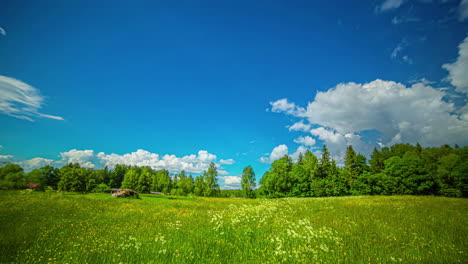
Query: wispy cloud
(463, 10)
(2, 31)
(404, 19)
(20, 100)
(226, 161)
(397, 52)
(389, 5)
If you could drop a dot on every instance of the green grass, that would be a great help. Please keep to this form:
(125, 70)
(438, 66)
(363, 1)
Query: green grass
(96, 228)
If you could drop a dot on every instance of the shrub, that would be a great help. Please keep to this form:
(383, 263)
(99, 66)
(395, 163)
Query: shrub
(102, 188)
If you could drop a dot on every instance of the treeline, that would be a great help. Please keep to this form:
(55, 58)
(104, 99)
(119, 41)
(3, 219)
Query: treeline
(400, 169)
(73, 178)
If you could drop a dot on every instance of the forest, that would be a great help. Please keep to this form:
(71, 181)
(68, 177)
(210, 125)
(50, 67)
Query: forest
(402, 169)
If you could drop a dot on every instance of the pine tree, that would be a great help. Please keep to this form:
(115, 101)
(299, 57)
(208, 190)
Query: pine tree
(350, 166)
(325, 163)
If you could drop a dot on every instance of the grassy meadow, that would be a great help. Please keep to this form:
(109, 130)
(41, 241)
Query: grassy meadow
(96, 228)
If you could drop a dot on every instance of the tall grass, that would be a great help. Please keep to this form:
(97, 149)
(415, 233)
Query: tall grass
(96, 228)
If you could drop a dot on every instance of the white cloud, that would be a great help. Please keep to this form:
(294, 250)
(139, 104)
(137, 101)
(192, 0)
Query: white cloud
(232, 179)
(223, 172)
(227, 161)
(230, 182)
(20, 100)
(85, 158)
(280, 151)
(328, 135)
(399, 113)
(458, 70)
(306, 141)
(2, 31)
(88, 159)
(191, 163)
(463, 10)
(299, 126)
(389, 5)
(300, 150)
(277, 153)
(283, 105)
(35, 163)
(6, 158)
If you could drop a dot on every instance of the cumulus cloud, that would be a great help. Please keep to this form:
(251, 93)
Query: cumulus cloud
(458, 70)
(230, 182)
(226, 161)
(20, 100)
(191, 163)
(85, 158)
(6, 158)
(300, 150)
(399, 113)
(337, 142)
(389, 5)
(277, 153)
(306, 141)
(35, 163)
(299, 126)
(195, 163)
(280, 151)
(463, 10)
(283, 105)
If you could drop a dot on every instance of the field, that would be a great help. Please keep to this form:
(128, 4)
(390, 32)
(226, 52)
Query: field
(96, 228)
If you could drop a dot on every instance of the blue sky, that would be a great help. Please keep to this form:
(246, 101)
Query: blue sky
(224, 80)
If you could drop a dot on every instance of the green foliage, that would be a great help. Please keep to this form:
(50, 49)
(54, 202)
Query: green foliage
(116, 177)
(102, 188)
(74, 179)
(50, 176)
(185, 184)
(131, 178)
(211, 183)
(12, 177)
(277, 182)
(400, 169)
(161, 182)
(248, 182)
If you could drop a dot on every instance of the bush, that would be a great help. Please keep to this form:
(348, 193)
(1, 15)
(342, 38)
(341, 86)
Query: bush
(102, 188)
(450, 192)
